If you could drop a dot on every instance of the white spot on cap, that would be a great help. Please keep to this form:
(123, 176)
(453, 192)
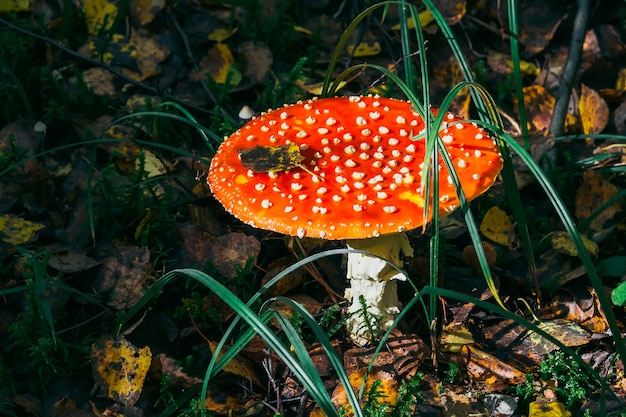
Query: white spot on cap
(361, 121)
(331, 121)
(478, 136)
(357, 207)
(322, 130)
(296, 186)
(259, 186)
(301, 232)
(337, 198)
(400, 120)
(288, 209)
(284, 126)
(383, 130)
(374, 115)
(390, 209)
(301, 134)
(266, 204)
(349, 150)
(447, 139)
(350, 163)
(393, 141)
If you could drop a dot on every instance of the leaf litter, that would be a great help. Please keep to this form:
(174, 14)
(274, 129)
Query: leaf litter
(52, 203)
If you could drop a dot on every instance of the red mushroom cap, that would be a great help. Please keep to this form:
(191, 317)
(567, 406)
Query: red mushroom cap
(360, 170)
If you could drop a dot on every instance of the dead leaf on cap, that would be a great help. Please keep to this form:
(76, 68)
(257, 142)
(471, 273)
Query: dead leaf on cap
(594, 112)
(594, 192)
(497, 226)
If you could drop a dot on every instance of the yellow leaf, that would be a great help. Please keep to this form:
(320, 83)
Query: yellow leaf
(425, 18)
(226, 60)
(220, 35)
(119, 368)
(527, 68)
(364, 49)
(594, 193)
(548, 409)
(99, 14)
(239, 366)
(15, 5)
(562, 242)
(454, 336)
(153, 166)
(620, 84)
(497, 226)
(17, 231)
(594, 112)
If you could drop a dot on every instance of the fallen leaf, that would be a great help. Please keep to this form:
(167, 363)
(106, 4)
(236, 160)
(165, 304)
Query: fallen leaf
(539, 104)
(17, 231)
(454, 336)
(386, 393)
(489, 369)
(15, 6)
(218, 62)
(120, 368)
(258, 60)
(544, 408)
(594, 112)
(364, 49)
(99, 81)
(562, 243)
(72, 262)
(239, 365)
(100, 15)
(593, 194)
(144, 11)
(229, 252)
(497, 226)
(123, 276)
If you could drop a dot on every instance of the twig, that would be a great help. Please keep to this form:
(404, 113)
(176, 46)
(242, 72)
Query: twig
(557, 123)
(107, 67)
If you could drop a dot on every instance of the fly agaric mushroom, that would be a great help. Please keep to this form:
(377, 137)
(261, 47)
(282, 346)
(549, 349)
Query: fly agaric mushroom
(348, 168)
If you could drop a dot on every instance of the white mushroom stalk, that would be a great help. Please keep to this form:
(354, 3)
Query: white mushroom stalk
(347, 168)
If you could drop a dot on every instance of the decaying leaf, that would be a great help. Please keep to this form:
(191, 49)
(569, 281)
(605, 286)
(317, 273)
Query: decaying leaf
(539, 104)
(594, 192)
(18, 231)
(594, 112)
(454, 336)
(123, 276)
(239, 365)
(497, 226)
(218, 62)
(144, 11)
(120, 368)
(100, 15)
(386, 393)
(15, 6)
(364, 49)
(489, 369)
(543, 408)
(100, 81)
(178, 378)
(271, 158)
(562, 243)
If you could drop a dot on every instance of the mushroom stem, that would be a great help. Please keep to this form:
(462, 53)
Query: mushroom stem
(374, 279)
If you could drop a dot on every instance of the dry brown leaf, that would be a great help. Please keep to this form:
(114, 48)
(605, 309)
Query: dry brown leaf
(582, 308)
(594, 192)
(124, 276)
(258, 60)
(178, 378)
(239, 365)
(144, 11)
(489, 369)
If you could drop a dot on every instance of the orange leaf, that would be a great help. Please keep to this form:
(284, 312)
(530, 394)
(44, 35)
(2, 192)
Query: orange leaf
(594, 112)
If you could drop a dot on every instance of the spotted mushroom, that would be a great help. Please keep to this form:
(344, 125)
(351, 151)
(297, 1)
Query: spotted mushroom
(348, 168)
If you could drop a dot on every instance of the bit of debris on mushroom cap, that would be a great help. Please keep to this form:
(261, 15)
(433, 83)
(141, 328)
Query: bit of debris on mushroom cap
(363, 170)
